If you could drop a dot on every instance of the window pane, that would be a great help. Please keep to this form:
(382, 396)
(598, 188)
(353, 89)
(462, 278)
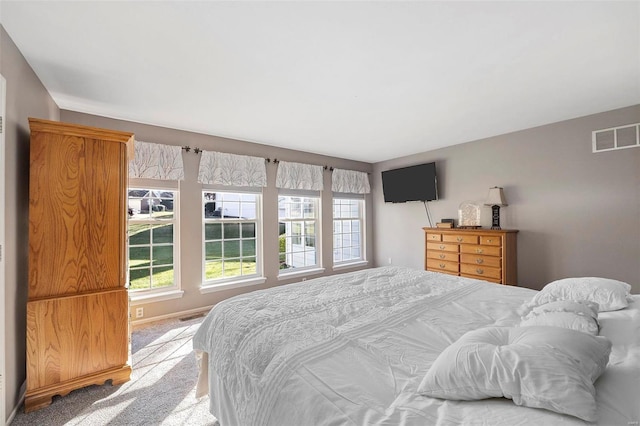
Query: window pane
(162, 255)
(212, 231)
(213, 250)
(309, 210)
(248, 210)
(231, 230)
(213, 270)
(163, 234)
(163, 277)
(248, 248)
(337, 255)
(249, 266)
(231, 269)
(248, 230)
(139, 234)
(211, 210)
(139, 256)
(139, 279)
(230, 209)
(231, 249)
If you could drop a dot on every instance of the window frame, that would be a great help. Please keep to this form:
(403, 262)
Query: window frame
(363, 223)
(210, 285)
(317, 219)
(139, 296)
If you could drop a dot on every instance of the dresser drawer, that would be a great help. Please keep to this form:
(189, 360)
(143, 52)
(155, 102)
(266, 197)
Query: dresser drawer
(483, 278)
(486, 250)
(490, 241)
(433, 237)
(443, 247)
(442, 266)
(481, 260)
(443, 255)
(460, 239)
(481, 271)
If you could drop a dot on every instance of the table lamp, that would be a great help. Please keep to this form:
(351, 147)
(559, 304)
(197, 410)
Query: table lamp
(495, 199)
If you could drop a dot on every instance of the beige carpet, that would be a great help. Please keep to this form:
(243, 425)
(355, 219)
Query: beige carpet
(161, 391)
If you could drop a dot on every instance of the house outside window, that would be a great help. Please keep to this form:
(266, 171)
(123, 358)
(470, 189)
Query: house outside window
(348, 230)
(152, 236)
(299, 232)
(231, 236)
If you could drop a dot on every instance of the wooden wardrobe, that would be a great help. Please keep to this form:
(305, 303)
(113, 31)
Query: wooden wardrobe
(78, 306)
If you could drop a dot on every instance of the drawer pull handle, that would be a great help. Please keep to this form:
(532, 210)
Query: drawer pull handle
(442, 256)
(479, 250)
(442, 247)
(479, 271)
(459, 239)
(489, 240)
(479, 261)
(442, 265)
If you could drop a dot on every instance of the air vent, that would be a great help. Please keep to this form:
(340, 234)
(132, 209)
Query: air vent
(616, 138)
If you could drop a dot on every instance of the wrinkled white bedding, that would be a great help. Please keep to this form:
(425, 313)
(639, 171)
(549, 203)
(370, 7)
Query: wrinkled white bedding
(351, 349)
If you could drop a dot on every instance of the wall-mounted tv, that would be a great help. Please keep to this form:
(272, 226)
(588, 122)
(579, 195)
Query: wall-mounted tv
(413, 183)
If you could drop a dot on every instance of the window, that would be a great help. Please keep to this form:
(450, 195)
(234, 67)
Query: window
(348, 221)
(152, 233)
(298, 231)
(231, 235)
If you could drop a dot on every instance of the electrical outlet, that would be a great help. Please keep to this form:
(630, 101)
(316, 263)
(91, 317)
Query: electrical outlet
(139, 312)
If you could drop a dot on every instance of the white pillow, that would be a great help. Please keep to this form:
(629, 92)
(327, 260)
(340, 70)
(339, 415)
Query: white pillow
(575, 315)
(610, 295)
(541, 367)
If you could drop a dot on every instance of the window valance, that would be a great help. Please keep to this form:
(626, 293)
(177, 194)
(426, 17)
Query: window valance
(156, 161)
(299, 176)
(350, 181)
(220, 168)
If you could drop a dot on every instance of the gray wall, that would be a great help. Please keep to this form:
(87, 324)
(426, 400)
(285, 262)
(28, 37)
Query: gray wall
(190, 202)
(578, 213)
(26, 97)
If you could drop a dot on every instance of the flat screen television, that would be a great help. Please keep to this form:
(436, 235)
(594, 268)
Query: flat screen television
(413, 183)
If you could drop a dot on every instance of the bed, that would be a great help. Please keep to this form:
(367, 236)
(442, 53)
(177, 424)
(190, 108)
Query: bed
(355, 348)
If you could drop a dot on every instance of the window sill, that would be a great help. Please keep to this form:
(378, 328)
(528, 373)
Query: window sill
(298, 274)
(143, 298)
(212, 288)
(350, 265)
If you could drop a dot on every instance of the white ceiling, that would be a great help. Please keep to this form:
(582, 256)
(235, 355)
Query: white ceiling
(361, 80)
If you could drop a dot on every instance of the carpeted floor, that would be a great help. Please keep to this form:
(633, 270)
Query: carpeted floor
(161, 390)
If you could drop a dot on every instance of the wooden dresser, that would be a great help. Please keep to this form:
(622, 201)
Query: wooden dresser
(78, 306)
(484, 254)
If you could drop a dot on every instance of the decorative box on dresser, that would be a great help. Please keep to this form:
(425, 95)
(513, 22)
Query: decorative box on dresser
(78, 306)
(485, 254)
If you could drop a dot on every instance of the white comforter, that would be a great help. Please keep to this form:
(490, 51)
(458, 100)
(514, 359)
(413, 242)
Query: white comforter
(352, 349)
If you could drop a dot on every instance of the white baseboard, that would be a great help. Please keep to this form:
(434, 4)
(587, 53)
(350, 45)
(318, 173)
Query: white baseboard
(181, 314)
(14, 412)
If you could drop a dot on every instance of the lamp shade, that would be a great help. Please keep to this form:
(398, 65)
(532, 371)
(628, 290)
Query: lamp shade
(496, 197)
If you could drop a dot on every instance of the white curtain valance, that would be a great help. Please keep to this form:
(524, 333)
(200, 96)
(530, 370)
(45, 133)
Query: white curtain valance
(299, 176)
(350, 181)
(219, 168)
(156, 161)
